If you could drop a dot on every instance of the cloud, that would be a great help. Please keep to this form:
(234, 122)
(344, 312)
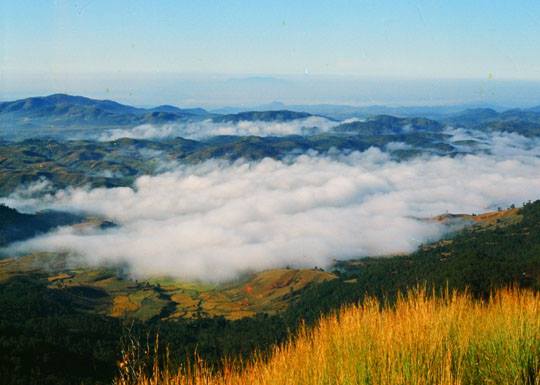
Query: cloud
(502, 144)
(396, 146)
(217, 219)
(208, 128)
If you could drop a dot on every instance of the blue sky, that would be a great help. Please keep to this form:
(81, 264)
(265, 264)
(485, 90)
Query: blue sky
(366, 39)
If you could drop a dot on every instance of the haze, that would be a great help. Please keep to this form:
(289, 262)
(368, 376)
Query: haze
(208, 54)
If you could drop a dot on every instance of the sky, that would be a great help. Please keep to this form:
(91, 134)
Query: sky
(138, 51)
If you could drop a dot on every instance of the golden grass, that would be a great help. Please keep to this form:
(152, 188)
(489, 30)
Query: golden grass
(60, 277)
(423, 339)
(492, 217)
(488, 219)
(122, 305)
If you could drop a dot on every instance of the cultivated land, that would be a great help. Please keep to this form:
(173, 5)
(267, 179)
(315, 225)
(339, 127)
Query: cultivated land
(113, 293)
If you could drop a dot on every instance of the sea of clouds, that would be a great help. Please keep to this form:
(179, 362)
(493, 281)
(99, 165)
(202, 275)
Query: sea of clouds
(217, 219)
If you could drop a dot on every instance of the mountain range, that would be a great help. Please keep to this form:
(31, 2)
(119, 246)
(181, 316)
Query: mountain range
(62, 115)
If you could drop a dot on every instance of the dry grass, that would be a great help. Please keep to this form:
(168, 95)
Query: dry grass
(122, 304)
(420, 340)
(492, 217)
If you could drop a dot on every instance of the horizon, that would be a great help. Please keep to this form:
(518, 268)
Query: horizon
(221, 91)
(212, 55)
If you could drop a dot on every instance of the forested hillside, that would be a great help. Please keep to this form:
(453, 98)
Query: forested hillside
(15, 226)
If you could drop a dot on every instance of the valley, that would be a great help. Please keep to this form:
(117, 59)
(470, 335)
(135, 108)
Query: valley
(230, 234)
(111, 292)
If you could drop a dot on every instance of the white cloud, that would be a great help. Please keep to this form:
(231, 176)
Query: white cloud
(396, 146)
(502, 144)
(217, 219)
(208, 128)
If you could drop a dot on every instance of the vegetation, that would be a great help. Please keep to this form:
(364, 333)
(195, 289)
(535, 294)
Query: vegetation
(56, 336)
(525, 122)
(50, 337)
(15, 226)
(120, 162)
(480, 258)
(264, 116)
(390, 125)
(114, 293)
(421, 339)
(62, 115)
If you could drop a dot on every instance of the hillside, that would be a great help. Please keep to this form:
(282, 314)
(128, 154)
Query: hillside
(390, 125)
(482, 257)
(119, 162)
(522, 121)
(263, 116)
(64, 323)
(114, 293)
(111, 292)
(15, 226)
(420, 340)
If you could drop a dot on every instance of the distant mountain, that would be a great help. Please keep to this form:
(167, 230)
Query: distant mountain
(263, 116)
(342, 112)
(51, 115)
(64, 116)
(522, 121)
(534, 109)
(390, 125)
(61, 103)
(179, 111)
(273, 106)
(473, 116)
(61, 116)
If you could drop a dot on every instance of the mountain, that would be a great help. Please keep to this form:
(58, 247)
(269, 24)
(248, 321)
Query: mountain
(65, 116)
(522, 121)
(343, 112)
(57, 114)
(474, 116)
(15, 226)
(58, 103)
(120, 162)
(61, 103)
(390, 125)
(273, 106)
(534, 109)
(179, 111)
(70, 117)
(263, 116)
